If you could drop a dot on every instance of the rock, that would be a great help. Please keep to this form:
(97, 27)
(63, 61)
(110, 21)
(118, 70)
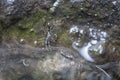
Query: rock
(23, 62)
(28, 63)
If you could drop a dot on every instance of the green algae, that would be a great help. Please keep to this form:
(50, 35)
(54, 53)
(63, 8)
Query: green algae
(29, 28)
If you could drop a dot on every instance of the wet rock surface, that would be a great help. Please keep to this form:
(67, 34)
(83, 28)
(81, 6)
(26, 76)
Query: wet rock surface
(28, 63)
(23, 62)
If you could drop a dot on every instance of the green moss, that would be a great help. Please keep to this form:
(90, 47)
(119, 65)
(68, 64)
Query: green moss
(41, 41)
(65, 39)
(40, 75)
(22, 30)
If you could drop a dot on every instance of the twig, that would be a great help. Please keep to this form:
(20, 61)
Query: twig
(103, 71)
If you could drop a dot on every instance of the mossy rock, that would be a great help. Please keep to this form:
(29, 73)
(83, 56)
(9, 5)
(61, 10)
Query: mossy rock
(65, 39)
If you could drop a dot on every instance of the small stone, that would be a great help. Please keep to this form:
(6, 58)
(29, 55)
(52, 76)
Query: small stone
(52, 9)
(114, 49)
(94, 41)
(68, 17)
(96, 15)
(81, 8)
(31, 30)
(77, 44)
(42, 48)
(48, 23)
(74, 29)
(81, 31)
(72, 63)
(35, 42)
(21, 40)
(113, 10)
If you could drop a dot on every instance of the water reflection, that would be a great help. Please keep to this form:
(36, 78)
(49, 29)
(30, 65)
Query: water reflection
(84, 51)
(90, 41)
(90, 44)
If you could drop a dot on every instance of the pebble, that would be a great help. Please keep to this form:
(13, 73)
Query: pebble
(31, 30)
(35, 42)
(21, 40)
